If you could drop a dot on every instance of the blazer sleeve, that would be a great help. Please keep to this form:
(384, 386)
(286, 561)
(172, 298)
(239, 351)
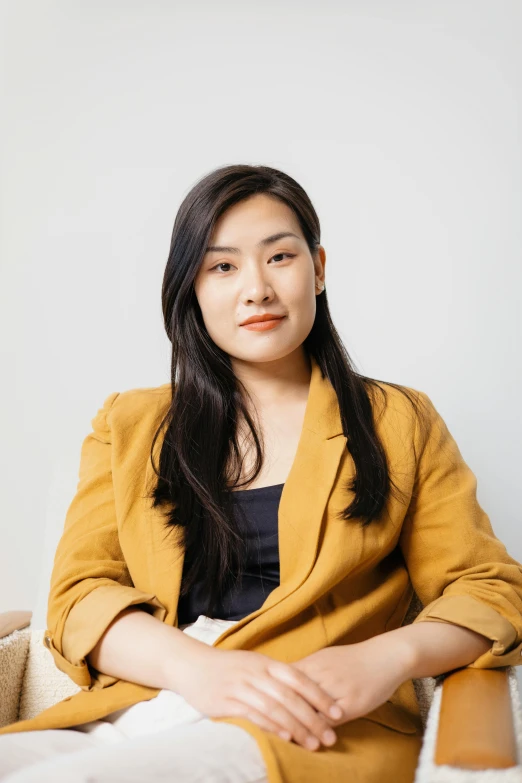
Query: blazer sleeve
(461, 572)
(90, 581)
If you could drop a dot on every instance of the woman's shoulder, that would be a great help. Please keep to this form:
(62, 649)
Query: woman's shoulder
(144, 395)
(133, 407)
(389, 397)
(400, 410)
(405, 415)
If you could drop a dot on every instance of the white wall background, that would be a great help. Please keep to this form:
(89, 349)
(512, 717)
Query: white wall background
(401, 119)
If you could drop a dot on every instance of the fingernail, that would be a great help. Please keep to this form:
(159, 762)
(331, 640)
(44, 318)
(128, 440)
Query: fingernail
(329, 736)
(336, 712)
(312, 743)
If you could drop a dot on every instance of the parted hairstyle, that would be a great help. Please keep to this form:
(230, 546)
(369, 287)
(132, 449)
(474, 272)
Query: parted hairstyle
(200, 458)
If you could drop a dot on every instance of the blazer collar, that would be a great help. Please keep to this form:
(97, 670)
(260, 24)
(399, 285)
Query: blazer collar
(322, 414)
(301, 515)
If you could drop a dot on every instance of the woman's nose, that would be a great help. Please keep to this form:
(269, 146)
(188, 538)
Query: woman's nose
(256, 288)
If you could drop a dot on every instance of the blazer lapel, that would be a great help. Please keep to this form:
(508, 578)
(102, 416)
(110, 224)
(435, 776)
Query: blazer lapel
(308, 486)
(301, 510)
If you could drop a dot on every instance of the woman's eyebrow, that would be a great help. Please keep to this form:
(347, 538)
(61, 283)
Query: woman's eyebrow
(263, 243)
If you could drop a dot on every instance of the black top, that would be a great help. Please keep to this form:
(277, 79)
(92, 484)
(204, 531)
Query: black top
(258, 508)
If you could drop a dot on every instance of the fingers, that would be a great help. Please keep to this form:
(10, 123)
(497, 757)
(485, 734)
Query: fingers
(308, 688)
(246, 711)
(288, 710)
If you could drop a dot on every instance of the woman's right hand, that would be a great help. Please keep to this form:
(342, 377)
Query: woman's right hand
(237, 683)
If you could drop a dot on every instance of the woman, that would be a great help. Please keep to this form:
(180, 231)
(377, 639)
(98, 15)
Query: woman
(245, 541)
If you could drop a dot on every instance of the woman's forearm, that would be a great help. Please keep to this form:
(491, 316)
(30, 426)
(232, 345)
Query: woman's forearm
(139, 648)
(432, 648)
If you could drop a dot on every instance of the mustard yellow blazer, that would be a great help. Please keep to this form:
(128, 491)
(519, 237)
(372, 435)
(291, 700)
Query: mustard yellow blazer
(340, 583)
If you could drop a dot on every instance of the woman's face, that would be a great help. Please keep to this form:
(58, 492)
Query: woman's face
(250, 275)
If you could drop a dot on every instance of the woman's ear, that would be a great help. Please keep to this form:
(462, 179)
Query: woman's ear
(319, 258)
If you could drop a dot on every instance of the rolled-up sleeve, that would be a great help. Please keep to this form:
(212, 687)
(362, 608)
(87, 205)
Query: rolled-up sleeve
(90, 581)
(460, 570)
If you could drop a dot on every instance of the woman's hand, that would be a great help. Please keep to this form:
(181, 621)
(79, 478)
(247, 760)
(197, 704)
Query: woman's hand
(360, 677)
(239, 683)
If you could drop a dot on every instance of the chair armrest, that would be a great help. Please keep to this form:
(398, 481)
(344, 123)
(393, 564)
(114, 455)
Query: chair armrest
(14, 650)
(14, 621)
(477, 736)
(476, 728)
(44, 684)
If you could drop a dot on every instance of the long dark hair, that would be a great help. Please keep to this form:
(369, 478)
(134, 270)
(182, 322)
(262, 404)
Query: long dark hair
(200, 458)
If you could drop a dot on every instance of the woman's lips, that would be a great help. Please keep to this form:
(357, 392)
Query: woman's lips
(263, 326)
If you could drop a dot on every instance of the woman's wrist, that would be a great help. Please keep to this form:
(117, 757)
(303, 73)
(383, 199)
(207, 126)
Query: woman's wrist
(427, 649)
(400, 654)
(181, 657)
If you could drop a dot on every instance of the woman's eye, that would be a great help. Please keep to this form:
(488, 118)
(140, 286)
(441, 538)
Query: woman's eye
(278, 255)
(288, 255)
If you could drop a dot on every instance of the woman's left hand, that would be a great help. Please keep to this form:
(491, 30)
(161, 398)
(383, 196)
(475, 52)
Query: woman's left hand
(360, 677)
